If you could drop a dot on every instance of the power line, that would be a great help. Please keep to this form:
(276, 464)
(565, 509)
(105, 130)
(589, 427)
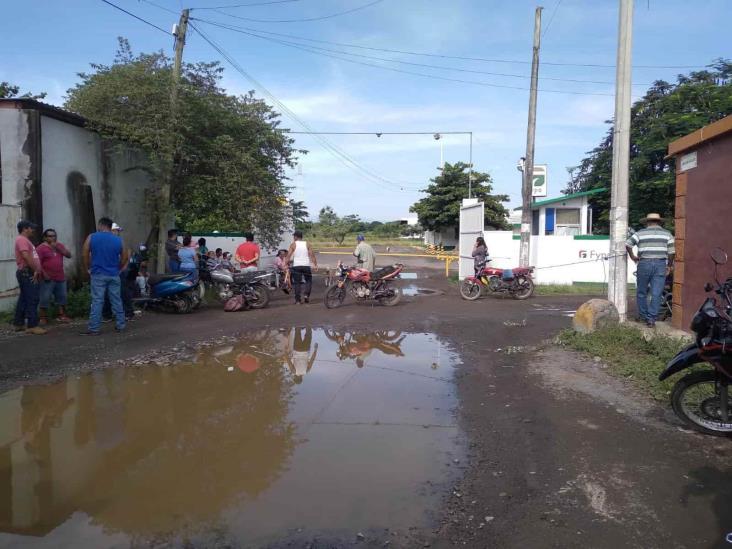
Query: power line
(437, 55)
(340, 155)
(424, 75)
(160, 7)
(136, 17)
(231, 6)
(554, 12)
(438, 67)
(302, 20)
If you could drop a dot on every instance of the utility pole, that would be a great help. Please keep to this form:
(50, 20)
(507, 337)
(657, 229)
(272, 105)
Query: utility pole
(524, 250)
(169, 162)
(618, 279)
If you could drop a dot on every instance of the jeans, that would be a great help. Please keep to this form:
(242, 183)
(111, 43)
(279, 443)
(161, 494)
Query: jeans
(651, 273)
(173, 265)
(125, 294)
(27, 306)
(54, 288)
(102, 285)
(302, 276)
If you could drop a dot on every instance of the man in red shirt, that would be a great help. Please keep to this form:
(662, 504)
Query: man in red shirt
(29, 275)
(51, 254)
(247, 254)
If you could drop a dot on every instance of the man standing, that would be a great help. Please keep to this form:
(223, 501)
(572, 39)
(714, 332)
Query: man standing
(104, 257)
(247, 254)
(29, 275)
(655, 258)
(365, 254)
(51, 254)
(171, 249)
(303, 261)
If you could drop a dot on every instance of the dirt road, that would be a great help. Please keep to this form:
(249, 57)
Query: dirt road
(546, 449)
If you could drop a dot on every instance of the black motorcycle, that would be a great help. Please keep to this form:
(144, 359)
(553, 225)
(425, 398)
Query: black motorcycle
(701, 398)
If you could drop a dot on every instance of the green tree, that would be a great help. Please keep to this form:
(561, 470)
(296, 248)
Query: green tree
(230, 155)
(441, 206)
(330, 225)
(666, 112)
(300, 215)
(8, 90)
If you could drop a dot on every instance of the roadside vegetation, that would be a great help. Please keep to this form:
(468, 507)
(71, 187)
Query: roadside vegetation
(629, 355)
(78, 304)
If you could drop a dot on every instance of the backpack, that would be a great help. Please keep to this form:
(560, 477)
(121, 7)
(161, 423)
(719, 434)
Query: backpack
(235, 303)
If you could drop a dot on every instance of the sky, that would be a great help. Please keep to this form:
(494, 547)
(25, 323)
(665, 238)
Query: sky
(44, 44)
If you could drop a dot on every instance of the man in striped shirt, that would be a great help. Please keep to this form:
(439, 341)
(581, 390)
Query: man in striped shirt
(655, 257)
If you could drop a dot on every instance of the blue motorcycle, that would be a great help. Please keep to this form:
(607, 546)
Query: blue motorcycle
(171, 293)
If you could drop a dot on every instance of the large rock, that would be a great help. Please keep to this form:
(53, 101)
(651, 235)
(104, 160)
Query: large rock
(595, 314)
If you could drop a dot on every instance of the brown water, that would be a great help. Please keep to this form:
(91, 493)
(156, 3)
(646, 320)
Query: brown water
(283, 432)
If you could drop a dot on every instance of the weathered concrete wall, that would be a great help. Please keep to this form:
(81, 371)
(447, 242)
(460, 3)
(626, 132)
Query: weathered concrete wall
(15, 165)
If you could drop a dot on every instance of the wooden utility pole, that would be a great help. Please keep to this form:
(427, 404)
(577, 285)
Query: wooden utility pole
(618, 279)
(528, 173)
(169, 162)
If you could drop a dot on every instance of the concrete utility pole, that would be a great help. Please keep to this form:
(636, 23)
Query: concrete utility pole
(168, 175)
(524, 250)
(618, 279)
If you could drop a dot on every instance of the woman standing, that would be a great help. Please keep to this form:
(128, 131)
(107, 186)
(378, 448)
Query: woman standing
(188, 258)
(480, 252)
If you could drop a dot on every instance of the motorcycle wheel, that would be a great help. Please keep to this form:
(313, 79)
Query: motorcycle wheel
(469, 290)
(695, 399)
(394, 298)
(261, 296)
(334, 297)
(525, 289)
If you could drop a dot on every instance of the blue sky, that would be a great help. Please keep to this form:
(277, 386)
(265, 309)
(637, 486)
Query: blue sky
(44, 44)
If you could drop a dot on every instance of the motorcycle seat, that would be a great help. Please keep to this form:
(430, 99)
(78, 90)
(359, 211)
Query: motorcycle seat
(154, 279)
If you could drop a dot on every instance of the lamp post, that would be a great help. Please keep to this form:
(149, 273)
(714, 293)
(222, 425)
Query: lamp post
(438, 137)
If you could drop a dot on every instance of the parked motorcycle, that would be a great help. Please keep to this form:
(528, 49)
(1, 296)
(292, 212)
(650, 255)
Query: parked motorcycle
(701, 398)
(172, 293)
(227, 285)
(363, 285)
(516, 282)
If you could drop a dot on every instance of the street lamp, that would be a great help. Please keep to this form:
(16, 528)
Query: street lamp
(438, 137)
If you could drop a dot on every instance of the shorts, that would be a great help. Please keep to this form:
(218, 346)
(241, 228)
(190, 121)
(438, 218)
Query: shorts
(54, 288)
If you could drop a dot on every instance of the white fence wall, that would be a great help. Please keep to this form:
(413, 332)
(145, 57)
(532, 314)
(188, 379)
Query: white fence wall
(9, 217)
(558, 259)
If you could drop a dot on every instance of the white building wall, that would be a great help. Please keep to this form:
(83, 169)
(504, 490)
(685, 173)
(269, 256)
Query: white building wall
(558, 259)
(14, 162)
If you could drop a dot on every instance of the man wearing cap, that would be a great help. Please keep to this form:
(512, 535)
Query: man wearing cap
(29, 276)
(365, 255)
(655, 258)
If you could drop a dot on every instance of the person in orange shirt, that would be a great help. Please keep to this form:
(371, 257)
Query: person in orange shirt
(247, 254)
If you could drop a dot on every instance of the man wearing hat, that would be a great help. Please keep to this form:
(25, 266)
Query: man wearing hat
(365, 254)
(655, 257)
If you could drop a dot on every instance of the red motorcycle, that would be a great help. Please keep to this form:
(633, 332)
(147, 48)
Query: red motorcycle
(516, 282)
(363, 285)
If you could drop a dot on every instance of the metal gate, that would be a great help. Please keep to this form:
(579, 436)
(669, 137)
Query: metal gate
(9, 217)
(472, 217)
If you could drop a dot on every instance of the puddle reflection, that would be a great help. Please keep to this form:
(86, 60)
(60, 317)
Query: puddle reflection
(291, 429)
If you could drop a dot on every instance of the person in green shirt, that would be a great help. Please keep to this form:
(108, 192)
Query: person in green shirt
(365, 255)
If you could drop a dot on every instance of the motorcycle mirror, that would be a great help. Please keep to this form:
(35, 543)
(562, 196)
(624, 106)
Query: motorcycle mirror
(719, 256)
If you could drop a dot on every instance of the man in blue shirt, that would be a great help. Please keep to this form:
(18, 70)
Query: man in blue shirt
(104, 256)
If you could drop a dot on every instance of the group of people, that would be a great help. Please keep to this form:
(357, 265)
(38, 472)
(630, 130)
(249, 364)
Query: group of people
(117, 274)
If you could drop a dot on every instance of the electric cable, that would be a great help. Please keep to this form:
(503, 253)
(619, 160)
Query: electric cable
(136, 17)
(302, 20)
(340, 155)
(441, 56)
(232, 6)
(159, 6)
(551, 19)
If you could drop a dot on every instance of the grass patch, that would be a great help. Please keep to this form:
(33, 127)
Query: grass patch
(77, 306)
(579, 288)
(629, 355)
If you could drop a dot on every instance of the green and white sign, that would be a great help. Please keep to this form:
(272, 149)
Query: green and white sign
(538, 181)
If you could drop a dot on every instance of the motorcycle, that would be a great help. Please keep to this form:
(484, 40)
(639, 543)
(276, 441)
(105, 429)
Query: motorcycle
(174, 293)
(701, 398)
(228, 284)
(364, 286)
(516, 282)
(358, 345)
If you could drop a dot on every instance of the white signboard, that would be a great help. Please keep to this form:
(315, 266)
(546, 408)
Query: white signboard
(688, 161)
(538, 181)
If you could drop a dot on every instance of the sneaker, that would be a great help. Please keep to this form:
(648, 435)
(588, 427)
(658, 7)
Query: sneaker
(90, 333)
(306, 300)
(651, 323)
(36, 331)
(117, 329)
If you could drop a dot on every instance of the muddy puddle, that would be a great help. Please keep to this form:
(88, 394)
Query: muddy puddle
(287, 433)
(415, 291)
